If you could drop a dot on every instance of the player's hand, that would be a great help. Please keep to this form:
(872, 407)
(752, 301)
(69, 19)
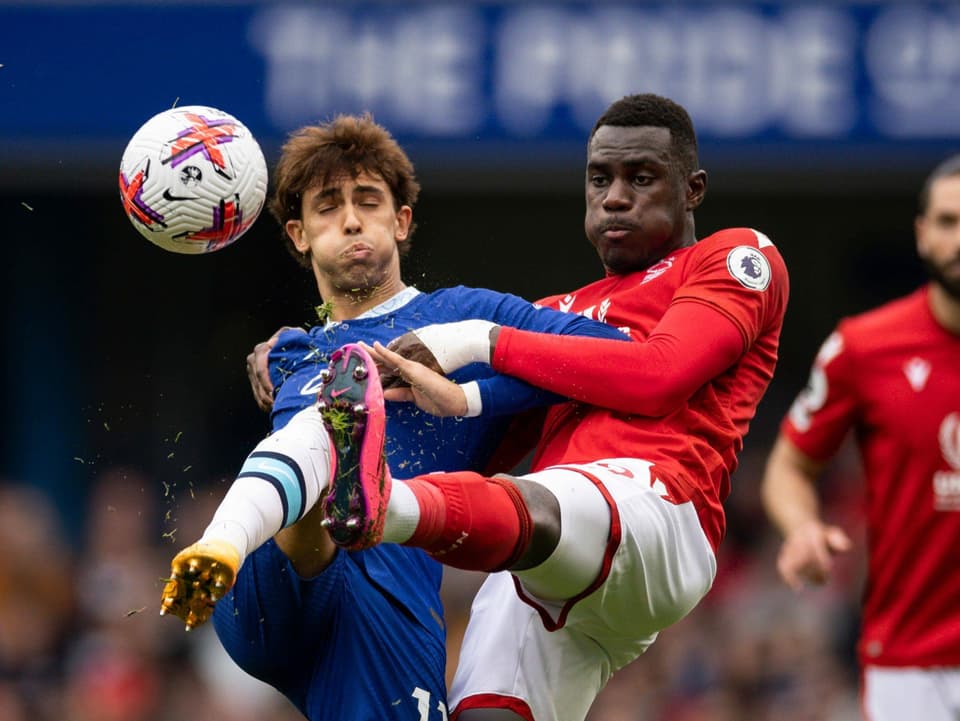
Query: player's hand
(258, 371)
(807, 553)
(412, 348)
(454, 345)
(431, 391)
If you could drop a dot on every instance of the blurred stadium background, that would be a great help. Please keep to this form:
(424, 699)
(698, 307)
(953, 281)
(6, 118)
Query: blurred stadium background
(126, 406)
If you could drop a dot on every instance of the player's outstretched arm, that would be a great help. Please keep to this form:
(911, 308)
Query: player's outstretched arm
(790, 498)
(446, 347)
(692, 344)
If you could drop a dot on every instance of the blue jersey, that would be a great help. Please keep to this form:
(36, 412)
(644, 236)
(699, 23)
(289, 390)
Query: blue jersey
(365, 640)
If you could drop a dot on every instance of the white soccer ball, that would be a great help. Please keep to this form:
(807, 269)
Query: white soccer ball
(193, 179)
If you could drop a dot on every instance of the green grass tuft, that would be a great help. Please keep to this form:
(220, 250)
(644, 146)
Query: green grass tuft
(341, 423)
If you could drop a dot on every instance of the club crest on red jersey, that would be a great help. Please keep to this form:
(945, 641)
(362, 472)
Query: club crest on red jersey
(946, 484)
(950, 440)
(917, 371)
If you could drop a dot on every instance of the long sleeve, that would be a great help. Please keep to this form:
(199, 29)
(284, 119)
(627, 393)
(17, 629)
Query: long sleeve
(692, 344)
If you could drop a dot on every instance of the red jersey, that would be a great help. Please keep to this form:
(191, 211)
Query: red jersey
(654, 399)
(893, 376)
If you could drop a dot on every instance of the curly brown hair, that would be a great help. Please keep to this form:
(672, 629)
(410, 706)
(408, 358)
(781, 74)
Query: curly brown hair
(348, 145)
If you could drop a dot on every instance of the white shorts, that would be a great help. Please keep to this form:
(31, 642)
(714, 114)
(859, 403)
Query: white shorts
(548, 661)
(894, 694)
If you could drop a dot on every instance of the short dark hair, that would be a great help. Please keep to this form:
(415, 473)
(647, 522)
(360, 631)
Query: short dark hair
(950, 166)
(343, 147)
(647, 109)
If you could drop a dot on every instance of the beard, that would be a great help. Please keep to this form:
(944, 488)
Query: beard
(937, 274)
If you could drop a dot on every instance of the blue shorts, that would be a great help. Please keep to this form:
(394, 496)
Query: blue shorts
(340, 645)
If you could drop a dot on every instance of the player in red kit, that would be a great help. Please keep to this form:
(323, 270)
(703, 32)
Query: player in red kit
(891, 375)
(612, 536)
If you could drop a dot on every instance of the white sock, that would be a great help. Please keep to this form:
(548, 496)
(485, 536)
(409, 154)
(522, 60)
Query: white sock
(279, 482)
(403, 514)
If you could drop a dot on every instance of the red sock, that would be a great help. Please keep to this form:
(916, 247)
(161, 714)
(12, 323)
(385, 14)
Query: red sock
(470, 522)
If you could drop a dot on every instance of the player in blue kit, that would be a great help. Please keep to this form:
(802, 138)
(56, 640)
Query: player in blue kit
(347, 636)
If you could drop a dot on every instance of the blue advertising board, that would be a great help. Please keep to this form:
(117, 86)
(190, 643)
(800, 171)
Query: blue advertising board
(817, 82)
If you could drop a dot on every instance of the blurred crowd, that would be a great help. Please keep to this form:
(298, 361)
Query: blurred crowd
(81, 638)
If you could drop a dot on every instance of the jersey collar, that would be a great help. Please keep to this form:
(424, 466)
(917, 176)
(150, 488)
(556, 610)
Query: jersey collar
(388, 306)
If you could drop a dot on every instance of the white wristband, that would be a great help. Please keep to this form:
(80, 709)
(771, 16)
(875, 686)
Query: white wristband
(474, 402)
(455, 345)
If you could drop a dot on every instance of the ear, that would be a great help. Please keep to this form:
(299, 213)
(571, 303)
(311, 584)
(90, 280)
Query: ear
(404, 219)
(696, 189)
(294, 230)
(920, 233)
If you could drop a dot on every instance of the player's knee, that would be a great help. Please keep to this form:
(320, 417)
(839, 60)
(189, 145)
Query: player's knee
(544, 510)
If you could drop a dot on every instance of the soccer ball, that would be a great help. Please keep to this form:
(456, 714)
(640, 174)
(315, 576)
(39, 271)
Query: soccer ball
(193, 179)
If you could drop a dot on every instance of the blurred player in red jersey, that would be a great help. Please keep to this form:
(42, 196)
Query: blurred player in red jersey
(613, 535)
(893, 376)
